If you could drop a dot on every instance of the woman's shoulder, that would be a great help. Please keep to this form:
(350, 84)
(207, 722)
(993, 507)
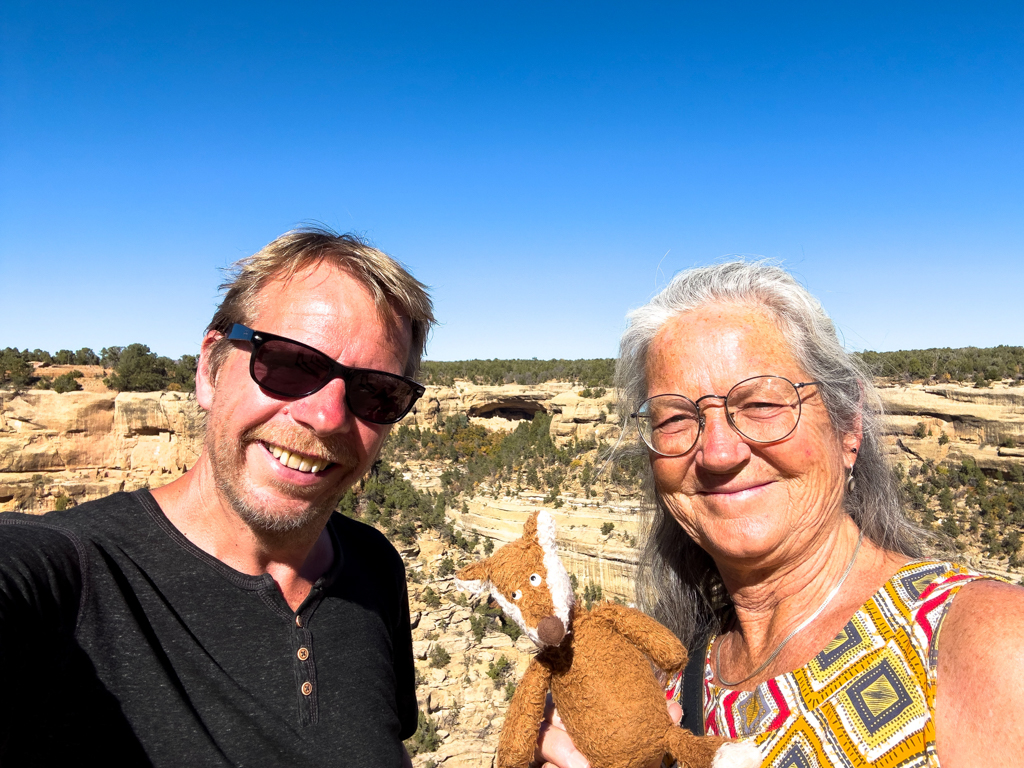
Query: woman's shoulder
(980, 655)
(987, 616)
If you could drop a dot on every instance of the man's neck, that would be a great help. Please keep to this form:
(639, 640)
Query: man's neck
(295, 560)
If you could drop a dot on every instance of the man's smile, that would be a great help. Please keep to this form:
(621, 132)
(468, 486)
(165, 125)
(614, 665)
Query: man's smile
(296, 460)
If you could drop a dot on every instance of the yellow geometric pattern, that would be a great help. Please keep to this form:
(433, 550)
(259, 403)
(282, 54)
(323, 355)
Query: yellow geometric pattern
(867, 698)
(880, 696)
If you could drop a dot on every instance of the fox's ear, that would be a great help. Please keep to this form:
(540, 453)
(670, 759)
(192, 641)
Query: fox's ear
(473, 578)
(545, 534)
(530, 526)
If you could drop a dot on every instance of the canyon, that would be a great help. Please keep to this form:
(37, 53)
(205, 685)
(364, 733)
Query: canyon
(62, 449)
(87, 444)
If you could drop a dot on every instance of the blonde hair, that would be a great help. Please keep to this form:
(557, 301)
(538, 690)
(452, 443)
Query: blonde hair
(392, 287)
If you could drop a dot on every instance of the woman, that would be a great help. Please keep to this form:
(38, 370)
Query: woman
(780, 555)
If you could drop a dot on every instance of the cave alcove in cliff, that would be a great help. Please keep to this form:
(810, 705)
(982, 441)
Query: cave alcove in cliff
(514, 410)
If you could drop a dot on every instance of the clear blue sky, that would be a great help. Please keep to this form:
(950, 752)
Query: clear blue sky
(542, 166)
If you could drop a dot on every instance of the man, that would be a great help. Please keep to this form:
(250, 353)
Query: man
(230, 618)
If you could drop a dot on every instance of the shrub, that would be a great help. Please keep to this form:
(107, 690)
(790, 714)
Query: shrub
(478, 626)
(15, 368)
(439, 657)
(183, 373)
(67, 382)
(425, 739)
(499, 670)
(510, 628)
(137, 370)
(431, 598)
(607, 528)
(446, 568)
(86, 356)
(62, 502)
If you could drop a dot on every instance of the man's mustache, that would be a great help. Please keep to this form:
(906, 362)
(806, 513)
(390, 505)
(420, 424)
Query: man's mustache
(333, 449)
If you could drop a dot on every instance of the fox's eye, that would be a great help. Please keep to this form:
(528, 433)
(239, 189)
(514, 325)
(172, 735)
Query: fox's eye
(535, 579)
(516, 595)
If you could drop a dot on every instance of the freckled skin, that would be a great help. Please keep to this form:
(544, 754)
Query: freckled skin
(332, 312)
(238, 503)
(740, 500)
(786, 498)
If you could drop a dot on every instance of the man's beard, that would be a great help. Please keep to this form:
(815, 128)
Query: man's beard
(228, 469)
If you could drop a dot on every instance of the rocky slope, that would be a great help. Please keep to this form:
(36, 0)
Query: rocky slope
(86, 444)
(65, 448)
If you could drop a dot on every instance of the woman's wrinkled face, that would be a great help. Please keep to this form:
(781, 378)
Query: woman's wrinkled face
(735, 498)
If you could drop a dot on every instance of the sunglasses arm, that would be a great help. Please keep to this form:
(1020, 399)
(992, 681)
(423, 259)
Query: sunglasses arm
(240, 333)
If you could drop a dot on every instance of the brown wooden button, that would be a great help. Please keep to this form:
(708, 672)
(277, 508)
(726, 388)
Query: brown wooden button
(307, 688)
(298, 621)
(303, 654)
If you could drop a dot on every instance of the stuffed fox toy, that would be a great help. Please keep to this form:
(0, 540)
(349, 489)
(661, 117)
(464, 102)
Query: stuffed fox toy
(595, 664)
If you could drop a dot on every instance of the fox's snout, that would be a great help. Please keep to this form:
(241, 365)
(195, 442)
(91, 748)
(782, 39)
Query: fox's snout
(551, 630)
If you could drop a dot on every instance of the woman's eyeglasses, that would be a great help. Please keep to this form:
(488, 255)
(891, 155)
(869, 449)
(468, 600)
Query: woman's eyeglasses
(764, 409)
(293, 369)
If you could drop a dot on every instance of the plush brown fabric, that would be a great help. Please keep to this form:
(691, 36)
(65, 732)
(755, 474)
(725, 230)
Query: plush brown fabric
(600, 674)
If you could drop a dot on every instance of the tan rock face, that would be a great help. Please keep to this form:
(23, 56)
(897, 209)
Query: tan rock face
(465, 703)
(572, 417)
(949, 422)
(155, 436)
(607, 560)
(506, 403)
(87, 444)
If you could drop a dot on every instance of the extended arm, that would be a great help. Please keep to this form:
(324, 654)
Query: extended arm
(518, 739)
(40, 589)
(654, 639)
(979, 697)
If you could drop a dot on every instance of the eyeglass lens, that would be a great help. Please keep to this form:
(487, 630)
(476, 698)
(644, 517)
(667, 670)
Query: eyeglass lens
(287, 368)
(762, 409)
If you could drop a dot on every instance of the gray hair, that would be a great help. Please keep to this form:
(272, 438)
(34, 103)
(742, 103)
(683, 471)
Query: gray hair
(678, 582)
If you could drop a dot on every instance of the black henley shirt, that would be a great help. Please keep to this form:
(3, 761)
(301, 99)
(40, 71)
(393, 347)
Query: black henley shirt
(122, 643)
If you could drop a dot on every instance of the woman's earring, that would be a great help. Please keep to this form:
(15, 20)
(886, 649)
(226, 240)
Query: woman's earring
(851, 483)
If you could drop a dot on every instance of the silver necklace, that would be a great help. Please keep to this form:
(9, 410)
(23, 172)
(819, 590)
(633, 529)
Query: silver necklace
(791, 635)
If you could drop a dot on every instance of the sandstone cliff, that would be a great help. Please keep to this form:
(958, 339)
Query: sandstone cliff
(83, 445)
(86, 444)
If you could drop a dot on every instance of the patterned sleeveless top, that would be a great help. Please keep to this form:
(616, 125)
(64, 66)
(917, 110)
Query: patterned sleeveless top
(867, 699)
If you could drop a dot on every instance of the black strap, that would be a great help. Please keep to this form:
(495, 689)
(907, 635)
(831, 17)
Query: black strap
(693, 688)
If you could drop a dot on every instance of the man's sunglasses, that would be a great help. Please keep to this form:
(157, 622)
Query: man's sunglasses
(293, 369)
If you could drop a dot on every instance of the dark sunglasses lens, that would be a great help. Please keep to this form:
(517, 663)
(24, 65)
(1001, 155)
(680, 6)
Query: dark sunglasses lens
(288, 369)
(378, 397)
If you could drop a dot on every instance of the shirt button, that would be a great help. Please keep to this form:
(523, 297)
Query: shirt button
(303, 654)
(307, 688)
(298, 621)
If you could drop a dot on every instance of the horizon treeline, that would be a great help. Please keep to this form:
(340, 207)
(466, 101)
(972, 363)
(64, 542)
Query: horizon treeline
(135, 368)
(596, 372)
(978, 365)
